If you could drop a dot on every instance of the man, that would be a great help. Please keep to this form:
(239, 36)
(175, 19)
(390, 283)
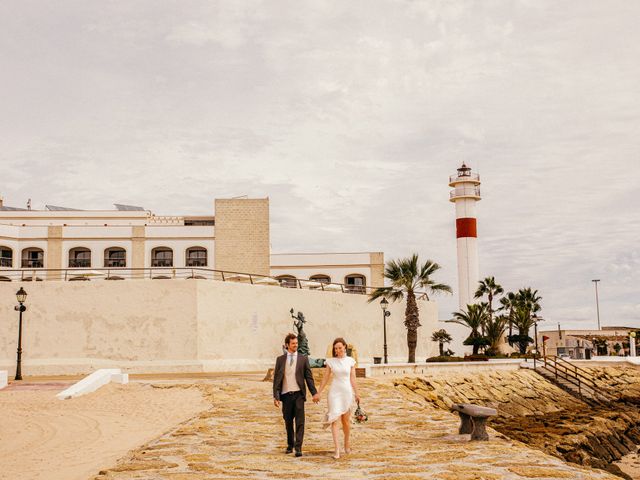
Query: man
(291, 372)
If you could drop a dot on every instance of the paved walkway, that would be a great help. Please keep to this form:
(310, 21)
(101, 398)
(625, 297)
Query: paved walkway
(242, 436)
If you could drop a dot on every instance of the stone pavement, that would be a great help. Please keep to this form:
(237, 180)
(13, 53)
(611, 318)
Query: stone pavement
(242, 436)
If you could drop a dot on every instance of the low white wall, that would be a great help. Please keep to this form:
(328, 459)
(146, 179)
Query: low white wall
(188, 325)
(404, 369)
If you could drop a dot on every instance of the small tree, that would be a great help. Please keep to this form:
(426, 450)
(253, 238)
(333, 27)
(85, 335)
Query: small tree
(441, 336)
(474, 318)
(494, 330)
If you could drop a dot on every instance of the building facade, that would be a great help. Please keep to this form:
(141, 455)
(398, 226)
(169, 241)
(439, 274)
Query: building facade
(583, 344)
(130, 242)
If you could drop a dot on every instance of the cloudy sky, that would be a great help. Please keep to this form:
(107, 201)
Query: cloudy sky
(350, 116)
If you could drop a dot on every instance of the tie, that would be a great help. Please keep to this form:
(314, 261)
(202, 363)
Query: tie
(290, 359)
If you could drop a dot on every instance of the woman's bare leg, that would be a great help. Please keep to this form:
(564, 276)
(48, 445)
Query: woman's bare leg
(334, 431)
(346, 428)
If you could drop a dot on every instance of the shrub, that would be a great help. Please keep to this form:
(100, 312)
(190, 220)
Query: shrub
(476, 358)
(446, 358)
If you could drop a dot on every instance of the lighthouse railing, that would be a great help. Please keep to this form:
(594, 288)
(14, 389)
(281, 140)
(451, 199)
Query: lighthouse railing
(465, 192)
(470, 176)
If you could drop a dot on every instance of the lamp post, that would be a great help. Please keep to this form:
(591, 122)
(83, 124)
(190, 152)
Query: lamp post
(21, 295)
(384, 304)
(535, 333)
(597, 303)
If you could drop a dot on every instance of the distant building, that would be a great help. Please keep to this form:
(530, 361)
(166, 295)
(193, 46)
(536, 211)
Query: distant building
(581, 344)
(62, 243)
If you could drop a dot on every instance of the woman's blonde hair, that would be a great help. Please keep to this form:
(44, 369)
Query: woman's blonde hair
(338, 340)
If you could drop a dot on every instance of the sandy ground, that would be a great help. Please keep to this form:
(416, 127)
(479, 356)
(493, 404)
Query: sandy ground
(630, 465)
(42, 437)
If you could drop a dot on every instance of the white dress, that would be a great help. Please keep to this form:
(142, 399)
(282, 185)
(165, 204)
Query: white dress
(340, 396)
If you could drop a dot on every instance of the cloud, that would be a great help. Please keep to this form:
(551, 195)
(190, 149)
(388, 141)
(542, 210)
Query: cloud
(351, 122)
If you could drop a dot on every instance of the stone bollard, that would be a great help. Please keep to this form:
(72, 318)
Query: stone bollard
(473, 419)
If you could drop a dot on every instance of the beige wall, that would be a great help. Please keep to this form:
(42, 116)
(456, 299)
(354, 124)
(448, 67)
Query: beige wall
(377, 269)
(54, 251)
(242, 235)
(188, 325)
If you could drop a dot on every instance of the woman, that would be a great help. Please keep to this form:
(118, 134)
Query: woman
(342, 369)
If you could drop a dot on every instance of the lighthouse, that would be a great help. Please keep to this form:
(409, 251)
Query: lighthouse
(465, 194)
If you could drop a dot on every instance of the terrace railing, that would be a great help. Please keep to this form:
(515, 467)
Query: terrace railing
(186, 273)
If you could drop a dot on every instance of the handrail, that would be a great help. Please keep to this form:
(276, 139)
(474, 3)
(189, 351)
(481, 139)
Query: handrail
(576, 377)
(205, 273)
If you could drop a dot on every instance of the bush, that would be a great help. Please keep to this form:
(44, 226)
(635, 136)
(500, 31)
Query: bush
(446, 358)
(476, 358)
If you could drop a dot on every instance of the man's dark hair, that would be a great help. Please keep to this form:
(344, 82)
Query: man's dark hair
(289, 337)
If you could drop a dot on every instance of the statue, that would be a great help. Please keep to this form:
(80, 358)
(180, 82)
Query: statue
(303, 343)
(298, 323)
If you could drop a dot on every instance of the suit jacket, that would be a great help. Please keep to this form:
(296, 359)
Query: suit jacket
(303, 374)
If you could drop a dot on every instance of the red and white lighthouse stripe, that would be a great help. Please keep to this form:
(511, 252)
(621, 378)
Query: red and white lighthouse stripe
(465, 194)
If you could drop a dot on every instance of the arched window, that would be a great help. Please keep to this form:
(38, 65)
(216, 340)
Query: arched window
(321, 278)
(288, 281)
(162, 257)
(79, 257)
(115, 257)
(196, 257)
(32, 258)
(6, 257)
(355, 283)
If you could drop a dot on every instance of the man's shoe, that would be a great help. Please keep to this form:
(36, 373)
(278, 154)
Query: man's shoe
(298, 453)
(289, 450)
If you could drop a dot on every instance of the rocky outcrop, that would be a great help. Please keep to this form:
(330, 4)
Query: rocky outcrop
(536, 412)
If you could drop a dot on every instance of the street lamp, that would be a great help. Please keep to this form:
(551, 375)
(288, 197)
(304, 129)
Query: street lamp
(384, 304)
(597, 303)
(21, 295)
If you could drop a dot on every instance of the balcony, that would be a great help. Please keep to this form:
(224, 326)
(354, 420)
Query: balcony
(162, 262)
(466, 192)
(470, 178)
(115, 262)
(30, 263)
(79, 263)
(6, 262)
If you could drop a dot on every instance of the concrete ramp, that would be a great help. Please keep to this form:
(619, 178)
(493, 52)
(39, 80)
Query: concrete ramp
(93, 382)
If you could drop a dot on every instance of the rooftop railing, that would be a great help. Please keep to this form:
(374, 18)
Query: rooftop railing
(186, 273)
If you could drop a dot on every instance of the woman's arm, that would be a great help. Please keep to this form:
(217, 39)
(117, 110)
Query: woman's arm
(354, 385)
(325, 379)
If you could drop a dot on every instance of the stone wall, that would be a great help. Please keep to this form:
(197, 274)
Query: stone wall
(188, 325)
(242, 235)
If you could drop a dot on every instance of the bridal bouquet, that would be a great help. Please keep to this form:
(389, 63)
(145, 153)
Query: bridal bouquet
(359, 415)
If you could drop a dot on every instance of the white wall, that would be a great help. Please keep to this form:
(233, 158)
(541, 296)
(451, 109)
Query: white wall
(188, 325)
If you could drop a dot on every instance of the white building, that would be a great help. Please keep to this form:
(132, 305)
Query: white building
(130, 242)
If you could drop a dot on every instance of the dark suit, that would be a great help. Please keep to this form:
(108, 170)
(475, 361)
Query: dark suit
(293, 402)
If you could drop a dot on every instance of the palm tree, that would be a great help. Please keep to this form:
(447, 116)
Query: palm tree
(441, 336)
(525, 310)
(474, 318)
(494, 330)
(407, 276)
(508, 303)
(490, 288)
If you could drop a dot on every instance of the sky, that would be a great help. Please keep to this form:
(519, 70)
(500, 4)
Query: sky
(349, 116)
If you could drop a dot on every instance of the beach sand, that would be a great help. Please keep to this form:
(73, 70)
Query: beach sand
(42, 437)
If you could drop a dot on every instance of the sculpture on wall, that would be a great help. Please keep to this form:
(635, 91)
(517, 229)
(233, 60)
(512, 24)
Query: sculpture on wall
(303, 343)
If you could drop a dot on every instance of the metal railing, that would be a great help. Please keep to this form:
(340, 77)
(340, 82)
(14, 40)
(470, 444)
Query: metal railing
(28, 263)
(79, 263)
(457, 177)
(580, 378)
(6, 262)
(158, 273)
(465, 192)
